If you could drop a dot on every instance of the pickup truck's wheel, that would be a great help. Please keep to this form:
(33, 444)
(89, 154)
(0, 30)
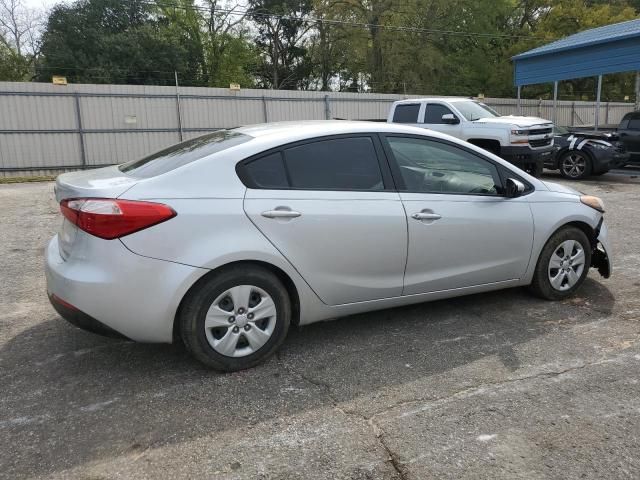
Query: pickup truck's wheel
(236, 318)
(575, 165)
(562, 265)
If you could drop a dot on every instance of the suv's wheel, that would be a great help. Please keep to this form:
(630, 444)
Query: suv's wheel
(563, 264)
(236, 319)
(575, 165)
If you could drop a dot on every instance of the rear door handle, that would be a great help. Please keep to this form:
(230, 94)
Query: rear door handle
(426, 216)
(280, 214)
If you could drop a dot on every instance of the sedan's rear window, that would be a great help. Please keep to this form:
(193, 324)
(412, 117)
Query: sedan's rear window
(183, 153)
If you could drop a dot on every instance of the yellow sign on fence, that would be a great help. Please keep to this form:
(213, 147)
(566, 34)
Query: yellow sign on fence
(57, 80)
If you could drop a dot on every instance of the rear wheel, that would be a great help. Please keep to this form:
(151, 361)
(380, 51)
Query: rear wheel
(563, 264)
(236, 319)
(575, 165)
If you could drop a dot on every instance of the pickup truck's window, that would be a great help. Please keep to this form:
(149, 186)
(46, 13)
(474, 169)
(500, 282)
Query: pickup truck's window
(267, 172)
(427, 166)
(472, 110)
(406, 113)
(434, 112)
(335, 164)
(183, 153)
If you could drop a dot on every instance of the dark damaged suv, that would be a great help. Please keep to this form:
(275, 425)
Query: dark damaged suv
(580, 154)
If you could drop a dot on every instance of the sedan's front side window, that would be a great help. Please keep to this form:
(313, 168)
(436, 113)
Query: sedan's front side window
(428, 166)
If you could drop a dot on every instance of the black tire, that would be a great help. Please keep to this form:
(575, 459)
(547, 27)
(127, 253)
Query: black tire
(198, 301)
(541, 285)
(535, 170)
(582, 162)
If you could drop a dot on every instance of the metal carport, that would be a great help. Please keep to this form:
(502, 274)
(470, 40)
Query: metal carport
(609, 49)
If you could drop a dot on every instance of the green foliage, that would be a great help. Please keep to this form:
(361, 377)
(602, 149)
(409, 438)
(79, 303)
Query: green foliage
(447, 47)
(14, 67)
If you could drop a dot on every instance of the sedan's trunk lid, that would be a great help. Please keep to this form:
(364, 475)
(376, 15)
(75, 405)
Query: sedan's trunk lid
(108, 182)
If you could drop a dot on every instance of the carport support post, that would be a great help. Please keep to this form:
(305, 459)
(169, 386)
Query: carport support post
(555, 102)
(637, 106)
(598, 91)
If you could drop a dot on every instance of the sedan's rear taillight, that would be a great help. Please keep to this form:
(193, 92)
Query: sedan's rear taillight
(111, 218)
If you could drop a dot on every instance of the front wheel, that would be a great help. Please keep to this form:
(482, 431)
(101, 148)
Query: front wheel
(236, 318)
(575, 165)
(563, 264)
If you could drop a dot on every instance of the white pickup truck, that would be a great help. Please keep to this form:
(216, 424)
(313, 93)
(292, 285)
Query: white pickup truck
(524, 141)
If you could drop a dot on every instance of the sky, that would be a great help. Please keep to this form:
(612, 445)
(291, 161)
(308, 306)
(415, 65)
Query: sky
(43, 4)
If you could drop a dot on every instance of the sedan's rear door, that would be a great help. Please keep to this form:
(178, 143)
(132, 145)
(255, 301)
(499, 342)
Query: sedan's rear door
(328, 206)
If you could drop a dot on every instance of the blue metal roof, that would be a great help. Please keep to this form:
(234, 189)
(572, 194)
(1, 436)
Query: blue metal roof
(594, 36)
(609, 49)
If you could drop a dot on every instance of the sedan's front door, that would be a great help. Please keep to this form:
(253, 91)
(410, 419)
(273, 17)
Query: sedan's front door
(325, 206)
(462, 232)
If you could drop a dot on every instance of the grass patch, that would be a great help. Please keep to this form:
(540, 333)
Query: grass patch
(43, 178)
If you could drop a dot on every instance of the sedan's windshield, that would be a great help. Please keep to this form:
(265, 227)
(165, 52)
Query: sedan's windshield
(475, 110)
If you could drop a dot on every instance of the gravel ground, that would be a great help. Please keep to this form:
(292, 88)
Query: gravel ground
(498, 385)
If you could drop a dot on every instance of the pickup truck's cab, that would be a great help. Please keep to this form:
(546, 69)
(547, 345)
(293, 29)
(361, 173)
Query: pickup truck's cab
(524, 141)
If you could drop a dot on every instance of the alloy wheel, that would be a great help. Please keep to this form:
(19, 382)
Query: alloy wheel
(574, 165)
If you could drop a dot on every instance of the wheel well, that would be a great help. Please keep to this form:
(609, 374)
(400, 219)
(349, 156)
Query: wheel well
(492, 146)
(282, 276)
(566, 150)
(586, 229)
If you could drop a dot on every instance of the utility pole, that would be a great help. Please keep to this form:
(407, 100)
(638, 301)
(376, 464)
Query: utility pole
(178, 109)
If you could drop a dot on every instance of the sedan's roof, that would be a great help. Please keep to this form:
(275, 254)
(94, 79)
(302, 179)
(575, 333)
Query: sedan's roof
(312, 128)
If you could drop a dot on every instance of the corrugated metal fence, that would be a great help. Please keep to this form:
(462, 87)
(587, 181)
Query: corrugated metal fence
(46, 128)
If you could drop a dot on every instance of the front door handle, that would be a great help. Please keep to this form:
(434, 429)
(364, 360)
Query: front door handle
(426, 216)
(280, 213)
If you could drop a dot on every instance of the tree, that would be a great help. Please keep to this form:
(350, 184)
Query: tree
(19, 33)
(111, 41)
(229, 56)
(281, 32)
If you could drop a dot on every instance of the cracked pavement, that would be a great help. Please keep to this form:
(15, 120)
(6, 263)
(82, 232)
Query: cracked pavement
(497, 385)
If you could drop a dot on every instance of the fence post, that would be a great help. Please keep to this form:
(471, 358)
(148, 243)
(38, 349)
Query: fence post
(178, 109)
(83, 153)
(327, 108)
(606, 114)
(573, 112)
(264, 109)
(539, 107)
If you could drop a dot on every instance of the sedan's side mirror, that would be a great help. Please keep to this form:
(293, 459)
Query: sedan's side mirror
(514, 188)
(450, 118)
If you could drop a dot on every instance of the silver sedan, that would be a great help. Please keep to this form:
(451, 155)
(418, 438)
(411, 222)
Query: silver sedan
(225, 240)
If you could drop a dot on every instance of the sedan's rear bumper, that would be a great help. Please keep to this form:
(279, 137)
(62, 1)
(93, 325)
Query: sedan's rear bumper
(104, 288)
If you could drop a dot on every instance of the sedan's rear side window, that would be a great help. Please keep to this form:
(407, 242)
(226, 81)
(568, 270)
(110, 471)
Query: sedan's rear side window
(183, 153)
(349, 163)
(336, 164)
(267, 172)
